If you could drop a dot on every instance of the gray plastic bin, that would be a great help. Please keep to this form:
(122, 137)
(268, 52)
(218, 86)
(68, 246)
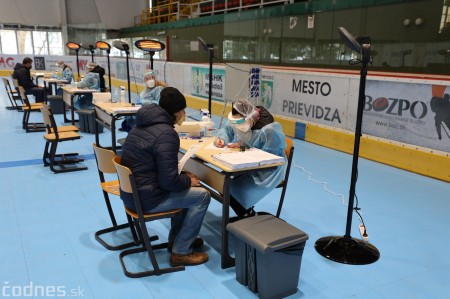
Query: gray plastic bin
(87, 121)
(268, 254)
(56, 104)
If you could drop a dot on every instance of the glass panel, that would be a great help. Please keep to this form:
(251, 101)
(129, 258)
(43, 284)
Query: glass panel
(40, 43)
(25, 42)
(55, 43)
(9, 43)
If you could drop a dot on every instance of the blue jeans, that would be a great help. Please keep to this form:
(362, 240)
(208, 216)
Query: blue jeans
(185, 226)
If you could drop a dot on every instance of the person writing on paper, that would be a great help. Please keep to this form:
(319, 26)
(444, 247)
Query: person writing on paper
(92, 80)
(65, 73)
(151, 152)
(253, 127)
(150, 94)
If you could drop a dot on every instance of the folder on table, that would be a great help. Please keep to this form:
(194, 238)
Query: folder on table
(249, 158)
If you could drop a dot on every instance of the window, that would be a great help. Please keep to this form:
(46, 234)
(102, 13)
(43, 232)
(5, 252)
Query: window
(40, 43)
(55, 43)
(25, 42)
(9, 42)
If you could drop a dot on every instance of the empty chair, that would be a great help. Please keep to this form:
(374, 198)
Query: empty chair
(289, 151)
(63, 162)
(105, 165)
(128, 185)
(27, 108)
(13, 96)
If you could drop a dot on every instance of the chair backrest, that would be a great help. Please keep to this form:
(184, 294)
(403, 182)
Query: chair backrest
(124, 174)
(49, 120)
(289, 150)
(104, 159)
(23, 95)
(15, 82)
(289, 146)
(9, 91)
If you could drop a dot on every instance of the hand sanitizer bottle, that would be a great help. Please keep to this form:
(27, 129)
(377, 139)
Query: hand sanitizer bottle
(122, 94)
(116, 97)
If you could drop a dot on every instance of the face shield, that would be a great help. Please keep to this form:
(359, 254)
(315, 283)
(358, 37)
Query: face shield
(241, 126)
(149, 79)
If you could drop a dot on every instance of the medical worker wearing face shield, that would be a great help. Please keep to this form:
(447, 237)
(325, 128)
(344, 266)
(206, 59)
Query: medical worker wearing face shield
(252, 126)
(149, 95)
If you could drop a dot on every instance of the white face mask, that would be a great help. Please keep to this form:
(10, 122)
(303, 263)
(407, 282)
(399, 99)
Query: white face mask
(150, 83)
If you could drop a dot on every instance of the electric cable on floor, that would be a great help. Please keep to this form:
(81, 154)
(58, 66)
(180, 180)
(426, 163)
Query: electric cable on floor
(357, 210)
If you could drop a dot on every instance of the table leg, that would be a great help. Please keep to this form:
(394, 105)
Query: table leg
(226, 260)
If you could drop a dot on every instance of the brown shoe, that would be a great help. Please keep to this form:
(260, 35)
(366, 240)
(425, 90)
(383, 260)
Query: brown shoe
(198, 242)
(195, 258)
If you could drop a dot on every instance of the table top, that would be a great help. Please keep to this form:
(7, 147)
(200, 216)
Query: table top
(54, 80)
(73, 89)
(206, 152)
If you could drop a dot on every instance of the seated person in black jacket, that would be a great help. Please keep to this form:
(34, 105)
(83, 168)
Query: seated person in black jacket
(151, 152)
(23, 76)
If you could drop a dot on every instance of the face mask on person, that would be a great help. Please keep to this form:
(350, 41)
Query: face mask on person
(150, 83)
(181, 119)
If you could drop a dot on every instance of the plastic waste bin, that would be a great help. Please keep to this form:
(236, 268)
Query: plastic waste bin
(268, 254)
(87, 121)
(56, 104)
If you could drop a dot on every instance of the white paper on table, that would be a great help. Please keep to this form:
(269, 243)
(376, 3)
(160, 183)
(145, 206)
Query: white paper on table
(187, 156)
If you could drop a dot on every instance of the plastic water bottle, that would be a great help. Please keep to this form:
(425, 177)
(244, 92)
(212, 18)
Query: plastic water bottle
(122, 94)
(206, 125)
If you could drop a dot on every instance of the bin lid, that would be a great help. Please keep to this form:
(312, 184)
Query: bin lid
(267, 233)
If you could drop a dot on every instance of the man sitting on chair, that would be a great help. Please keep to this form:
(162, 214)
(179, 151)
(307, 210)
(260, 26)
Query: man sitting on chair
(151, 152)
(23, 76)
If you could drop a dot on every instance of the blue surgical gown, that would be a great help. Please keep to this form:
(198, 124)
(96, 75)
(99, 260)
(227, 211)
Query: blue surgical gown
(251, 187)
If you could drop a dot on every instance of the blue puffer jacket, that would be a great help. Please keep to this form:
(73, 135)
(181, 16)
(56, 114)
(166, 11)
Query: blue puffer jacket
(151, 152)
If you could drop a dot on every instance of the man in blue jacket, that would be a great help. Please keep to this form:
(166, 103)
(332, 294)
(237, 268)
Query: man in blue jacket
(23, 76)
(151, 152)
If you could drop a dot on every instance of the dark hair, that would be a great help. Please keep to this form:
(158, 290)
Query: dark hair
(234, 111)
(27, 60)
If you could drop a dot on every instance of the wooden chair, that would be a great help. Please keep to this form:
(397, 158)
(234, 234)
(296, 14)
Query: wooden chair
(52, 138)
(128, 185)
(67, 158)
(289, 151)
(27, 108)
(105, 165)
(13, 96)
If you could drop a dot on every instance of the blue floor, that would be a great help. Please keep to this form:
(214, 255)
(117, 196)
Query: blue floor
(47, 225)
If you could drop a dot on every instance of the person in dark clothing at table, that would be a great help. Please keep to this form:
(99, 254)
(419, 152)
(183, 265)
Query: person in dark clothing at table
(151, 152)
(23, 76)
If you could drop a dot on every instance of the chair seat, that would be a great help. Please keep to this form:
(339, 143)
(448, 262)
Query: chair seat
(32, 107)
(67, 129)
(62, 136)
(151, 215)
(112, 187)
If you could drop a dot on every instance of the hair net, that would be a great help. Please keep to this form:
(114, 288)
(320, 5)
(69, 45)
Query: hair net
(148, 75)
(245, 108)
(91, 65)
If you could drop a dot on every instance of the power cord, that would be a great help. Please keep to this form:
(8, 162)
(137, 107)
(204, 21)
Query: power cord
(362, 226)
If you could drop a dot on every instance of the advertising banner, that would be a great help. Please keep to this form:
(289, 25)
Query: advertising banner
(308, 97)
(417, 114)
(200, 83)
